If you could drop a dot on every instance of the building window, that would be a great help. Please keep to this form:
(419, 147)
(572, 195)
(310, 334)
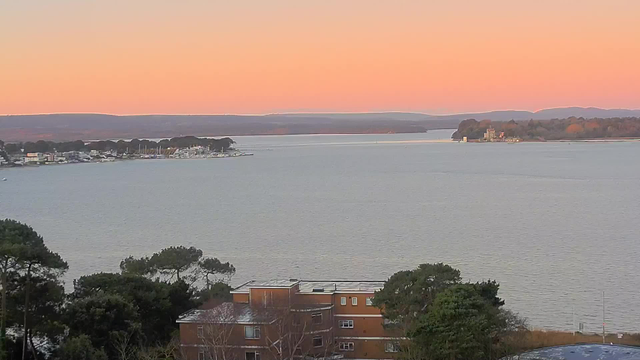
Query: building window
(252, 332)
(200, 331)
(346, 346)
(201, 355)
(345, 324)
(391, 347)
(368, 301)
(316, 319)
(354, 301)
(343, 300)
(252, 355)
(317, 341)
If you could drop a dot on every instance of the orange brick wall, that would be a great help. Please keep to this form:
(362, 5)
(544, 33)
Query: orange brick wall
(361, 308)
(362, 326)
(366, 349)
(273, 296)
(241, 298)
(370, 326)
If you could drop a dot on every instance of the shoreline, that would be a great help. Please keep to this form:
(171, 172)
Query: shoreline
(598, 140)
(24, 166)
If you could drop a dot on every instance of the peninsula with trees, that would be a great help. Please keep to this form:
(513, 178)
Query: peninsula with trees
(571, 128)
(48, 152)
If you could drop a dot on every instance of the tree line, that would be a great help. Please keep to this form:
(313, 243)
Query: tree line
(126, 315)
(556, 129)
(121, 146)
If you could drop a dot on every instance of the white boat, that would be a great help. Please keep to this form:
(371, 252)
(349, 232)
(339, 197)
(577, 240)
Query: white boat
(4, 179)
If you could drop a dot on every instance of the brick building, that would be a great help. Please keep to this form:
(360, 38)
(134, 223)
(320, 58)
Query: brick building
(285, 319)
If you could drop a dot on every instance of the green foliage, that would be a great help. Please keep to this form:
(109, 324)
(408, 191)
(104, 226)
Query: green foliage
(157, 303)
(218, 291)
(214, 268)
(23, 255)
(121, 146)
(107, 315)
(408, 293)
(45, 305)
(80, 348)
(460, 324)
(12, 148)
(443, 318)
(175, 260)
(556, 129)
(172, 262)
(102, 316)
(141, 266)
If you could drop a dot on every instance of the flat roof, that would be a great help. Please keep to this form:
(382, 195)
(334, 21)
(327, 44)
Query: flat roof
(308, 286)
(585, 351)
(277, 283)
(227, 313)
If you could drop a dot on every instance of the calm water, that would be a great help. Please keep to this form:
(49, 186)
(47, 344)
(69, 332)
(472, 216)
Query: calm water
(554, 223)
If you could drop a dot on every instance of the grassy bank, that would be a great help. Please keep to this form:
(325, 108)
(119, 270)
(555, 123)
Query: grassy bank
(539, 338)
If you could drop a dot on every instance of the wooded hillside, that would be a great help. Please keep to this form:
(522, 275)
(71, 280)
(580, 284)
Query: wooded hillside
(556, 129)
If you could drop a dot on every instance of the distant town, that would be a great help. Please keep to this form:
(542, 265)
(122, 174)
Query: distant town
(52, 153)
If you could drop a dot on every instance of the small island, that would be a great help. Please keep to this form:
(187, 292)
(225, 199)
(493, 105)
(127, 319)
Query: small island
(49, 153)
(572, 128)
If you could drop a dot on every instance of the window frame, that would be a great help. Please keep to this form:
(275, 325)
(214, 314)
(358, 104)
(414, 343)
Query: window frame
(316, 316)
(347, 346)
(368, 301)
(313, 341)
(200, 331)
(201, 354)
(346, 324)
(343, 301)
(256, 354)
(354, 301)
(255, 330)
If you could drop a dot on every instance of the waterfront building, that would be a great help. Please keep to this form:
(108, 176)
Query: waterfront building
(490, 134)
(34, 157)
(286, 319)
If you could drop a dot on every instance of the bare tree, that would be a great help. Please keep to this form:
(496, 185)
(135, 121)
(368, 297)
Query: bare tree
(171, 350)
(217, 331)
(286, 334)
(291, 332)
(122, 343)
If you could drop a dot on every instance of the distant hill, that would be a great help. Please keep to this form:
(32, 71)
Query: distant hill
(59, 127)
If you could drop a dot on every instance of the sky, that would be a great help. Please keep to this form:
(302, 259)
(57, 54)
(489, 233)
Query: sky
(267, 56)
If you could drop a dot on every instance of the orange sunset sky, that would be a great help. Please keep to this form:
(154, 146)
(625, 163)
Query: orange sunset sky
(262, 56)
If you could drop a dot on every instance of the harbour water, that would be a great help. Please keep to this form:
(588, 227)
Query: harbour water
(555, 223)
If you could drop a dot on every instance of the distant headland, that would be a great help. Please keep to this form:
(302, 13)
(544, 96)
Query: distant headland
(572, 128)
(64, 127)
(70, 152)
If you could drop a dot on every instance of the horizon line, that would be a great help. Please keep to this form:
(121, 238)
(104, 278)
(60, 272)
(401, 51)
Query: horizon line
(322, 112)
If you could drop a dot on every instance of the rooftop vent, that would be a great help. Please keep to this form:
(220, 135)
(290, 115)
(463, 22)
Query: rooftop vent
(318, 290)
(293, 279)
